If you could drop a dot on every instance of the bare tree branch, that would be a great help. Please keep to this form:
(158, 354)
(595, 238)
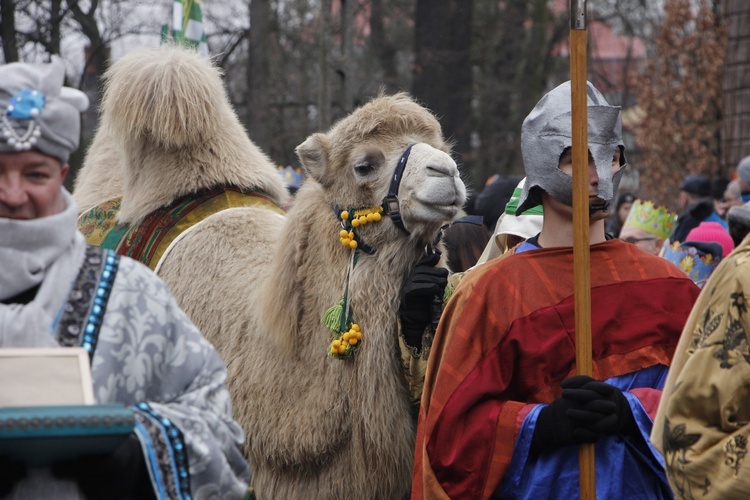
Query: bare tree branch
(8, 30)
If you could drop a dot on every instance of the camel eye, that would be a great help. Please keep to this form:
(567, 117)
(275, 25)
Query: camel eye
(363, 169)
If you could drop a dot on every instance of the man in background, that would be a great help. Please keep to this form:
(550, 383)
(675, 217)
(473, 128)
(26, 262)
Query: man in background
(731, 197)
(743, 176)
(647, 226)
(739, 223)
(696, 205)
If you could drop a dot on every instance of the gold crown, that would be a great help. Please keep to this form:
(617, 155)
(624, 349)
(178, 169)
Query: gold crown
(653, 219)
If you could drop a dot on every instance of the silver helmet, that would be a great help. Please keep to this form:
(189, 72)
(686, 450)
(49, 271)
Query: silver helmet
(547, 132)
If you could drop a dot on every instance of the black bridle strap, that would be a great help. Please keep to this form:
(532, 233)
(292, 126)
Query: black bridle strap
(390, 202)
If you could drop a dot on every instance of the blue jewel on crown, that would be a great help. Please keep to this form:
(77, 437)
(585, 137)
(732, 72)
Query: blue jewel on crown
(25, 105)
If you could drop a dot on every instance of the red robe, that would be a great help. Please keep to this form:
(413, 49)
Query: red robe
(506, 341)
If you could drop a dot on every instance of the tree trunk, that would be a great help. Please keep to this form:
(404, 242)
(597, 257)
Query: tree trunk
(96, 63)
(346, 65)
(97, 56)
(324, 91)
(442, 65)
(8, 31)
(56, 15)
(258, 73)
(384, 51)
(735, 128)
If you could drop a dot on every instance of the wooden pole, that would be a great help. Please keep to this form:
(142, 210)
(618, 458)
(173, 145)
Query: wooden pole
(581, 240)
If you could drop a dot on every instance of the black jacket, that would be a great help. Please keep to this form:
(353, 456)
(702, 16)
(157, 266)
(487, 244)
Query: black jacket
(694, 214)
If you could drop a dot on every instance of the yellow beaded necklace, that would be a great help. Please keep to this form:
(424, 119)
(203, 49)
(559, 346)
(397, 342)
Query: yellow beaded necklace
(339, 318)
(361, 217)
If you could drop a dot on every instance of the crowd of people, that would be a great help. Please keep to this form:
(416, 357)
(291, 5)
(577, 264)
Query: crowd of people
(501, 409)
(695, 239)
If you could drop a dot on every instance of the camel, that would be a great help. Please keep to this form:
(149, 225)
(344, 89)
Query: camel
(322, 424)
(318, 424)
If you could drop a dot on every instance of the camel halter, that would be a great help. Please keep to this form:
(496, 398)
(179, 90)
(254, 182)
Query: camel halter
(389, 206)
(339, 318)
(390, 202)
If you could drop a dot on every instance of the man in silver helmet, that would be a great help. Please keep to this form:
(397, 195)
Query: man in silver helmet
(58, 292)
(502, 409)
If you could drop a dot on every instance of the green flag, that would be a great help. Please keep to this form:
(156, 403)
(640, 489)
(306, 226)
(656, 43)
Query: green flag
(187, 26)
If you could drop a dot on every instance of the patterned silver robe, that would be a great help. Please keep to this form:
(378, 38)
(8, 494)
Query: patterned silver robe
(145, 353)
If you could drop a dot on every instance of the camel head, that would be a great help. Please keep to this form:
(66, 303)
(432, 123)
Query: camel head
(355, 162)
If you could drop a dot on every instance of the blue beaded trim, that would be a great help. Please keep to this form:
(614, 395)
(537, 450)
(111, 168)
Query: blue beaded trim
(82, 315)
(101, 296)
(178, 449)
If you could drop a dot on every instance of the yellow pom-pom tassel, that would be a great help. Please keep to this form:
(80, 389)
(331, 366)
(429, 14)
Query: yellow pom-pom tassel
(355, 223)
(344, 233)
(353, 341)
(376, 217)
(344, 215)
(352, 243)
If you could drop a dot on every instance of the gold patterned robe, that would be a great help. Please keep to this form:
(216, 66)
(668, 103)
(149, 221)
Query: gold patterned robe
(703, 422)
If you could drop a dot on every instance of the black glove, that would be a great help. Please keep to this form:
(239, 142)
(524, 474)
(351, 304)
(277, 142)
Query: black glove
(422, 298)
(608, 400)
(587, 410)
(10, 474)
(123, 474)
(555, 427)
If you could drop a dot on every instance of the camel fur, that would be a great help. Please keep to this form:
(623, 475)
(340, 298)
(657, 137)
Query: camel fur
(168, 125)
(320, 427)
(100, 178)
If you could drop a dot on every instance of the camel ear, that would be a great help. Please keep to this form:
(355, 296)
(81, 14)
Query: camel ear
(313, 155)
